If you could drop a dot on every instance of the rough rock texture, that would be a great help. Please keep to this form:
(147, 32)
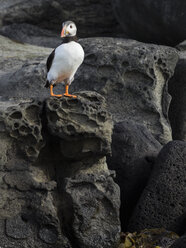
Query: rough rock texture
(27, 33)
(162, 203)
(179, 243)
(84, 128)
(177, 89)
(133, 77)
(93, 18)
(161, 22)
(54, 194)
(133, 153)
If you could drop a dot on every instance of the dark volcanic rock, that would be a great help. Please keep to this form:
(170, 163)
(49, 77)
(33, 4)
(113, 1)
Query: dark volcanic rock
(163, 201)
(177, 89)
(133, 153)
(161, 22)
(84, 128)
(56, 190)
(93, 18)
(83, 124)
(179, 243)
(133, 78)
(31, 34)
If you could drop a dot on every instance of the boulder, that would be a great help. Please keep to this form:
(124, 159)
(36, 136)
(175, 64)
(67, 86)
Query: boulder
(161, 22)
(92, 18)
(133, 78)
(134, 150)
(162, 203)
(177, 89)
(82, 128)
(55, 186)
(28, 33)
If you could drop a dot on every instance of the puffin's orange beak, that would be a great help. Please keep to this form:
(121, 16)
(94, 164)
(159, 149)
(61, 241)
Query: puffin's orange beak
(63, 32)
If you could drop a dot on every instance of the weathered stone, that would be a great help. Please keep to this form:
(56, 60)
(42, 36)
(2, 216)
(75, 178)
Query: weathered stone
(161, 22)
(16, 228)
(133, 153)
(83, 124)
(177, 89)
(93, 18)
(162, 203)
(133, 77)
(27, 33)
(48, 234)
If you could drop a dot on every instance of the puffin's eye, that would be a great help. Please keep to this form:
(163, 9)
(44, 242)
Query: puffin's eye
(70, 26)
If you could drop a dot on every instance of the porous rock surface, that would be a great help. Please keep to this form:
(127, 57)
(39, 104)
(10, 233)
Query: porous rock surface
(177, 89)
(84, 129)
(133, 78)
(161, 22)
(48, 198)
(134, 150)
(179, 243)
(162, 203)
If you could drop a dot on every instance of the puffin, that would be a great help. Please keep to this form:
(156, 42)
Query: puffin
(64, 60)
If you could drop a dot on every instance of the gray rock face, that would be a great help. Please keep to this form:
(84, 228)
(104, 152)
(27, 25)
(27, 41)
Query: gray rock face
(177, 89)
(84, 128)
(31, 34)
(133, 78)
(93, 18)
(53, 195)
(163, 200)
(133, 153)
(161, 22)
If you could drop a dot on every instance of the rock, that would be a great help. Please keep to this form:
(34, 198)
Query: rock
(31, 34)
(181, 46)
(52, 193)
(179, 243)
(151, 21)
(92, 18)
(162, 203)
(133, 79)
(150, 238)
(82, 128)
(177, 89)
(83, 124)
(133, 153)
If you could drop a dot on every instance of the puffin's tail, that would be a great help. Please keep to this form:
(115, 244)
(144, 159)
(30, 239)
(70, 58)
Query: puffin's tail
(47, 85)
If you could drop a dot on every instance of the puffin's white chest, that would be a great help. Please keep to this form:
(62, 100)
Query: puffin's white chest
(68, 57)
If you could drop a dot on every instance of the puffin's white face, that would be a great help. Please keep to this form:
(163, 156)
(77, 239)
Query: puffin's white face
(68, 29)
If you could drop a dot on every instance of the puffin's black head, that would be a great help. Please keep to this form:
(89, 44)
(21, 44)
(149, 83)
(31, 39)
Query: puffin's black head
(68, 29)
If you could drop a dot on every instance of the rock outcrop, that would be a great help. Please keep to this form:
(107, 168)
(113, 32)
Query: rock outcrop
(162, 203)
(179, 243)
(161, 22)
(134, 150)
(133, 78)
(177, 89)
(56, 190)
(94, 18)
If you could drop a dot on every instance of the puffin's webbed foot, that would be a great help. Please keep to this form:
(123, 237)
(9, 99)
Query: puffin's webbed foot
(52, 93)
(66, 92)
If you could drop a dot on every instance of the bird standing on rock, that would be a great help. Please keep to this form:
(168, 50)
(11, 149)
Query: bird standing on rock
(64, 61)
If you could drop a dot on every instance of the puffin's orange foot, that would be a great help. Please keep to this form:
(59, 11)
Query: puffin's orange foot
(68, 95)
(56, 95)
(52, 93)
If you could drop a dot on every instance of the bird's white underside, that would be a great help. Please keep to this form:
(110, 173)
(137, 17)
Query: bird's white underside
(68, 57)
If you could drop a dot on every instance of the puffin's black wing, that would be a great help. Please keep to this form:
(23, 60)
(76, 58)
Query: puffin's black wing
(49, 64)
(50, 60)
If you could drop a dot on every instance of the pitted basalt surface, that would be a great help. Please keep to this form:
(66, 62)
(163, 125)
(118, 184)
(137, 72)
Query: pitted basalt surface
(133, 77)
(83, 124)
(23, 123)
(162, 202)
